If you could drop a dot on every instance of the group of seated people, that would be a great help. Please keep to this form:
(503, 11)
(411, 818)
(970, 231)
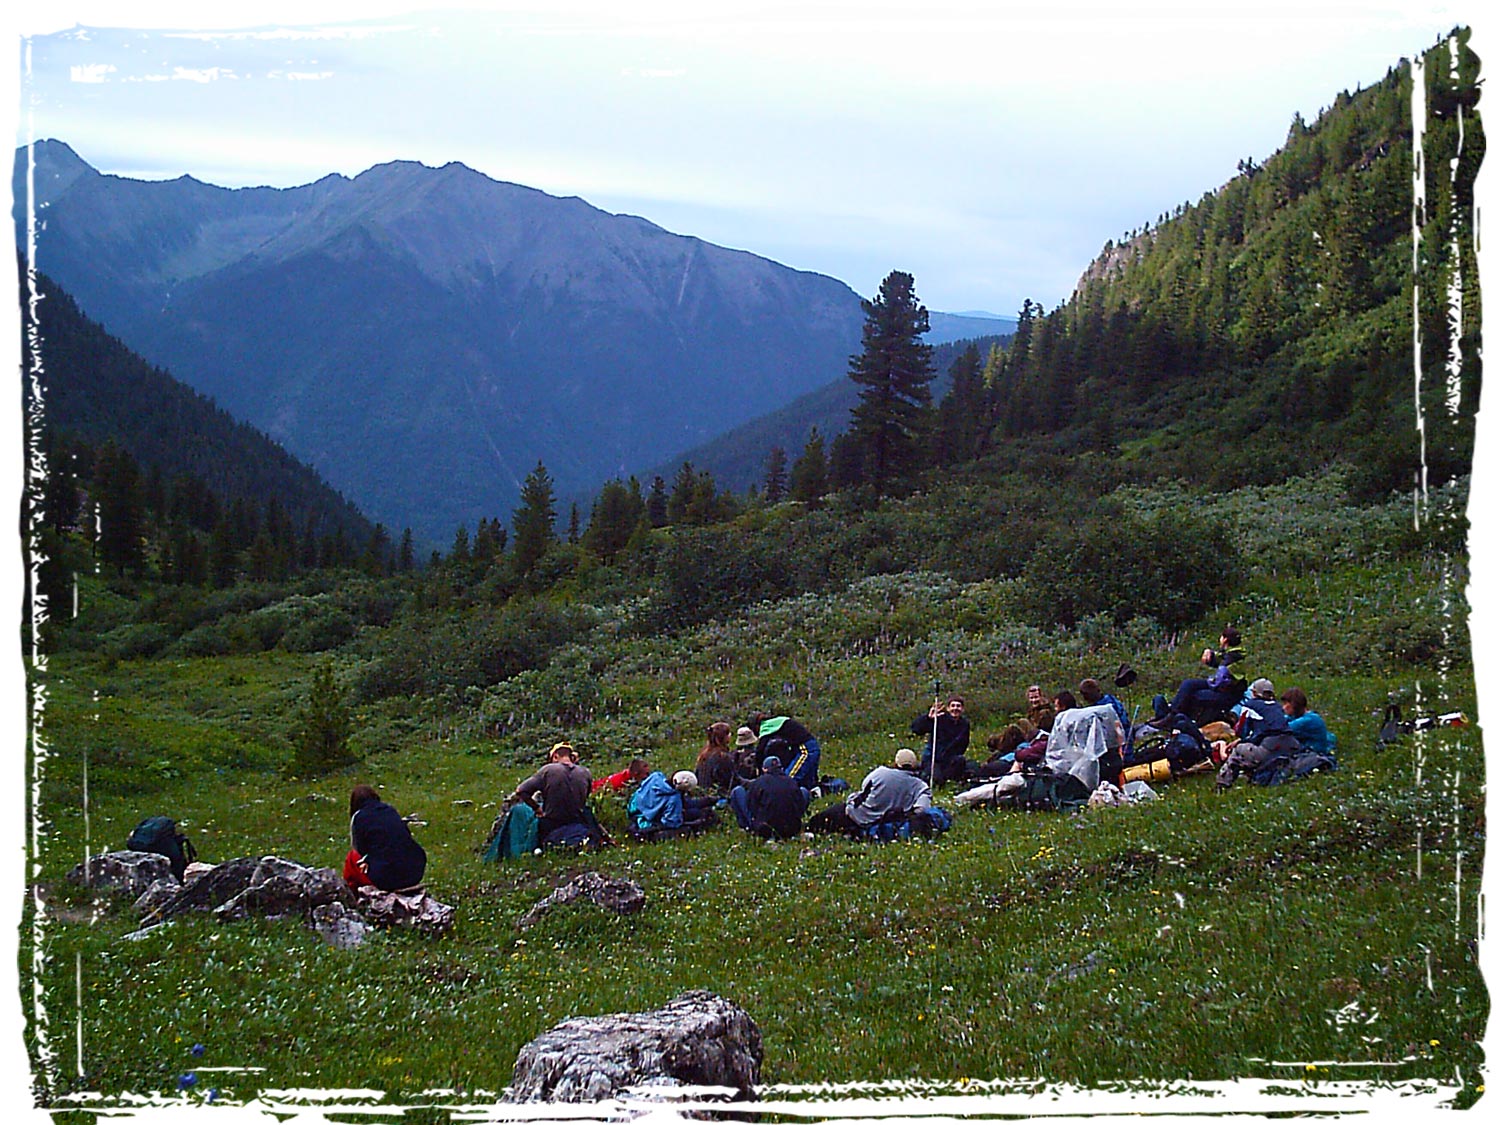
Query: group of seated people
(765, 773)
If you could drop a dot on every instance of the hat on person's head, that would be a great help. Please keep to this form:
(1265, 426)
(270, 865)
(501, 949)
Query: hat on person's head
(684, 779)
(562, 747)
(745, 737)
(772, 764)
(906, 759)
(1262, 689)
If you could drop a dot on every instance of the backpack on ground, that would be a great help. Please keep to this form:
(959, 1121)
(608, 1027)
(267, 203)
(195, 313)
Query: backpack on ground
(159, 834)
(512, 835)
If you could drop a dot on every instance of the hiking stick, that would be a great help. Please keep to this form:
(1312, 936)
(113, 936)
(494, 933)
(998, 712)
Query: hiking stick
(937, 704)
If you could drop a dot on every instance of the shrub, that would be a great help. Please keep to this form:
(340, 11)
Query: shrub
(321, 738)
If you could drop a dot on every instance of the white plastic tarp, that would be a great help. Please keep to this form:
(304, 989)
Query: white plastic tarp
(1080, 737)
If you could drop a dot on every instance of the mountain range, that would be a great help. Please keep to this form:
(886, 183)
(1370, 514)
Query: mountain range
(421, 337)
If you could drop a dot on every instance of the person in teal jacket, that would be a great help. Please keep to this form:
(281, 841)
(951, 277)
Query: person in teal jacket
(1308, 726)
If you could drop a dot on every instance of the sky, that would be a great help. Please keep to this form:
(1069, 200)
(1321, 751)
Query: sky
(989, 150)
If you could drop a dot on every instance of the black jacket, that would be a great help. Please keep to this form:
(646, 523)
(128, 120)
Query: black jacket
(775, 804)
(952, 734)
(393, 859)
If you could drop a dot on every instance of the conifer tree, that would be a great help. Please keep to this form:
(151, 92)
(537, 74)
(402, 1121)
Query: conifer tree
(323, 727)
(809, 477)
(656, 503)
(406, 556)
(894, 373)
(121, 498)
(534, 521)
(775, 479)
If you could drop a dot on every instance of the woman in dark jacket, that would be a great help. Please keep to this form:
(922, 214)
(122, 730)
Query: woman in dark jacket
(384, 854)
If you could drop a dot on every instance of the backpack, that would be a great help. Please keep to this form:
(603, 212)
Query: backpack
(513, 834)
(159, 835)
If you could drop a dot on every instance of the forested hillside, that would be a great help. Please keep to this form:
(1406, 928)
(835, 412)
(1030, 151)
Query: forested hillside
(153, 478)
(1266, 329)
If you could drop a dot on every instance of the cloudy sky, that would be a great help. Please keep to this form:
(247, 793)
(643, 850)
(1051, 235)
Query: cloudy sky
(989, 149)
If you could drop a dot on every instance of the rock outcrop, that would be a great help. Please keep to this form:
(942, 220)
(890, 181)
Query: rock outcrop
(696, 1040)
(622, 896)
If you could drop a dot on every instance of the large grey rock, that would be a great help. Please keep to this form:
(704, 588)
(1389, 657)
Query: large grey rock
(131, 873)
(211, 889)
(339, 926)
(698, 1039)
(278, 887)
(157, 895)
(269, 886)
(619, 895)
(416, 909)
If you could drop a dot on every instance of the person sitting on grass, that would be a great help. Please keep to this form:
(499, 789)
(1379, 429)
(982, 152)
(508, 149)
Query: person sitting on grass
(1002, 747)
(382, 851)
(715, 765)
(746, 760)
(1205, 699)
(772, 805)
(697, 810)
(803, 755)
(893, 792)
(1264, 734)
(563, 787)
(1037, 703)
(946, 728)
(1311, 731)
(1114, 760)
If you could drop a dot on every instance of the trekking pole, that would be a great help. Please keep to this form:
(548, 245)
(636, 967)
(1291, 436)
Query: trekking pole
(937, 699)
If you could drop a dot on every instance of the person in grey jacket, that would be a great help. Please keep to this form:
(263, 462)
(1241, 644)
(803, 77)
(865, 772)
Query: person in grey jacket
(889, 789)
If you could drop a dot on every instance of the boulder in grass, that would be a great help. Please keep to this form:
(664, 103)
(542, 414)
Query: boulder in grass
(339, 926)
(278, 887)
(268, 885)
(211, 889)
(698, 1040)
(157, 895)
(130, 873)
(622, 896)
(415, 908)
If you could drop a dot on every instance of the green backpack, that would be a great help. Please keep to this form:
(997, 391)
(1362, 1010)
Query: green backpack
(513, 834)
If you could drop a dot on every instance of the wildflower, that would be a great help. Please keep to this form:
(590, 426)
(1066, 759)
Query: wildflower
(186, 1081)
(198, 1050)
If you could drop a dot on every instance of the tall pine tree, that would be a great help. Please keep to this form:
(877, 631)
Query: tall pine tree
(894, 373)
(534, 522)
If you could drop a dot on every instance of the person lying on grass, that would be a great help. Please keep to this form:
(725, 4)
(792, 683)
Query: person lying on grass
(383, 852)
(633, 774)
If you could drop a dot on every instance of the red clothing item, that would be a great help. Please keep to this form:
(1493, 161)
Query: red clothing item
(354, 872)
(615, 781)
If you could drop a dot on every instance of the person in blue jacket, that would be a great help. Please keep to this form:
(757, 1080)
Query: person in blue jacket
(383, 853)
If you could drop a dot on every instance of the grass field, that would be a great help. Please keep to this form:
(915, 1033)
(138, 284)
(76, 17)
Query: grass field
(1309, 934)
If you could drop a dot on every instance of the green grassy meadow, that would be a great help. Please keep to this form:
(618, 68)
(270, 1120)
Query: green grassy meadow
(1319, 930)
